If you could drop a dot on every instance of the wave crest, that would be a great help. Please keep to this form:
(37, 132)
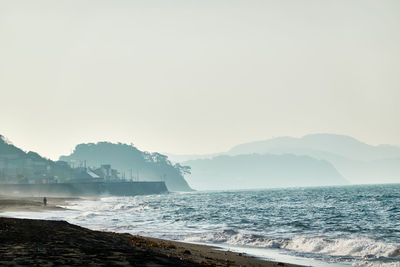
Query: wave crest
(362, 248)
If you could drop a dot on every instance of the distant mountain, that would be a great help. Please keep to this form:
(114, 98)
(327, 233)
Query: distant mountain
(131, 163)
(186, 157)
(261, 171)
(359, 162)
(341, 145)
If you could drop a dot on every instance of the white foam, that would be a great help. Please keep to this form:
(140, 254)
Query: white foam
(376, 264)
(362, 248)
(165, 219)
(359, 247)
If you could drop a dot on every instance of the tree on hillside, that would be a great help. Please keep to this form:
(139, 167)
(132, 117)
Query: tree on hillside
(183, 170)
(128, 159)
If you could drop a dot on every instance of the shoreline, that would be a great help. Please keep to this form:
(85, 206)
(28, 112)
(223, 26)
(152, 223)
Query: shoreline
(65, 244)
(35, 204)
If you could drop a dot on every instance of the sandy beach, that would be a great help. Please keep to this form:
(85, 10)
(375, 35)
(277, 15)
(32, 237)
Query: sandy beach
(13, 203)
(58, 243)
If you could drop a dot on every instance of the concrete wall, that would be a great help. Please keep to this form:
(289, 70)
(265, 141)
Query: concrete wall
(85, 189)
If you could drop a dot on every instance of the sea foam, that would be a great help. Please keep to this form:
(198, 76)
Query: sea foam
(355, 248)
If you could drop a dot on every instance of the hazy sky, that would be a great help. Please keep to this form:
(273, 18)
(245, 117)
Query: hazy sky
(184, 76)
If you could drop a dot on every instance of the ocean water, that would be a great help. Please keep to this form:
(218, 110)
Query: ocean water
(349, 225)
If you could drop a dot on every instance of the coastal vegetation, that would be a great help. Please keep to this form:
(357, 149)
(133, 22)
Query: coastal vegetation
(102, 161)
(131, 163)
(18, 166)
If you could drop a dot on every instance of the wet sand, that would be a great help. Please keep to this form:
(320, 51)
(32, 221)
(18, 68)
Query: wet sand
(26, 242)
(12, 203)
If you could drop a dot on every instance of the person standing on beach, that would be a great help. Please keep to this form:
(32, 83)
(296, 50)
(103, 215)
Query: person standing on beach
(45, 201)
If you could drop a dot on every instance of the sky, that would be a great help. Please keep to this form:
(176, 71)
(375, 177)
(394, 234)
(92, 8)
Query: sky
(197, 76)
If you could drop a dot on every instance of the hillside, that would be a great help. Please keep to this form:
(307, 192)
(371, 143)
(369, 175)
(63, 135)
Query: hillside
(131, 163)
(261, 171)
(18, 166)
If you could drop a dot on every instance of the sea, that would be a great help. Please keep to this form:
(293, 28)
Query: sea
(316, 226)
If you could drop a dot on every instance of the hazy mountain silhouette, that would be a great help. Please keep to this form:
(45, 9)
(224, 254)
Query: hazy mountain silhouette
(262, 171)
(341, 145)
(132, 163)
(187, 157)
(357, 161)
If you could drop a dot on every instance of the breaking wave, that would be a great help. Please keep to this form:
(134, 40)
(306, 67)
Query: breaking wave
(340, 249)
(320, 224)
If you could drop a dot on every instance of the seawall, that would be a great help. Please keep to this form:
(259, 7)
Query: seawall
(85, 189)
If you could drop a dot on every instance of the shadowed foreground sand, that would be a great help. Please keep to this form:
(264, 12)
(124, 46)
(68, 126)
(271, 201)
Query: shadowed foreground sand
(58, 243)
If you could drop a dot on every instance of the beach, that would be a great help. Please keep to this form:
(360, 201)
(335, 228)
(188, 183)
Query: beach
(15, 203)
(58, 243)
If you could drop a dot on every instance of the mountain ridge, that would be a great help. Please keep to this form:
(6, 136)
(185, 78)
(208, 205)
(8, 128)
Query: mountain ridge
(253, 171)
(359, 162)
(343, 145)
